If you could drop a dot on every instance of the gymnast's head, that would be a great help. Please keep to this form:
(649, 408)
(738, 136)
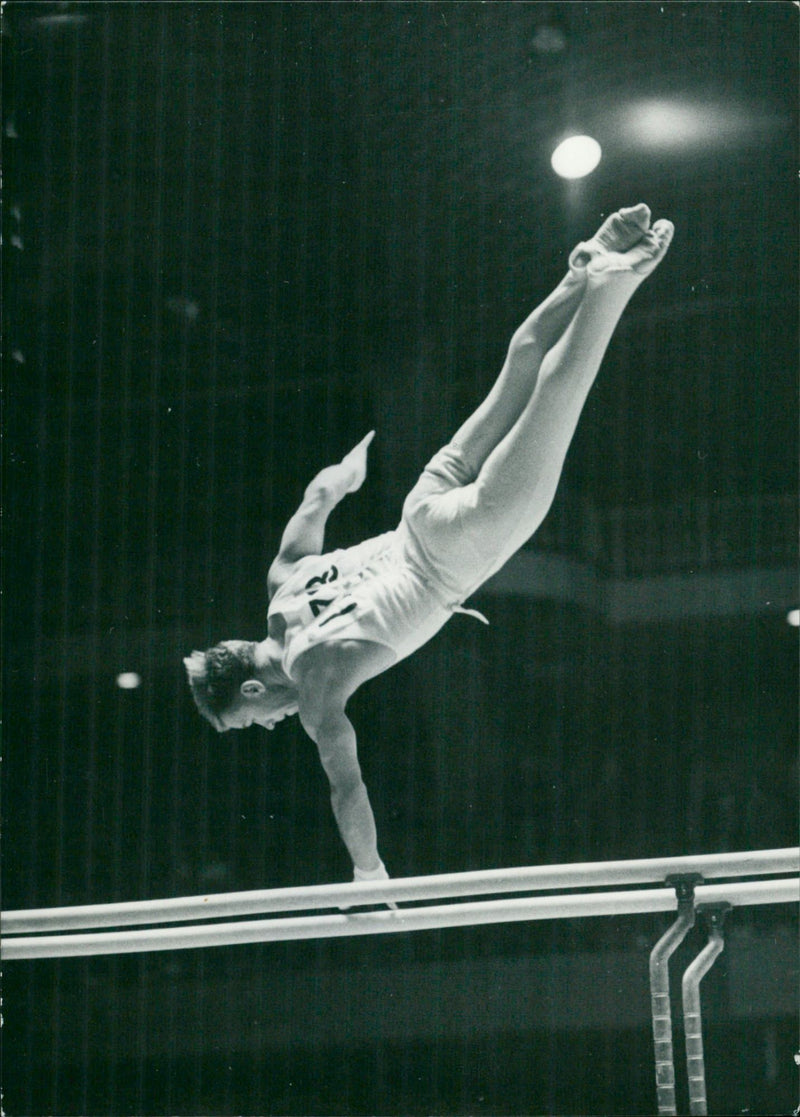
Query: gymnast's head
(238, 683)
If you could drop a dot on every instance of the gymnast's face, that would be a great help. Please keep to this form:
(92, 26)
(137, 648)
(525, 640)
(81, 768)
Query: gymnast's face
(258, 704)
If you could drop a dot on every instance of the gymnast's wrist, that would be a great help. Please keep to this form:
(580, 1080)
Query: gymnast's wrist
(378, 873)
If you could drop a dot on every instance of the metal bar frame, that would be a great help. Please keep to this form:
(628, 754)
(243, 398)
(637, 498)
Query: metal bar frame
(632, 902)
(539, 878)
(29, 934)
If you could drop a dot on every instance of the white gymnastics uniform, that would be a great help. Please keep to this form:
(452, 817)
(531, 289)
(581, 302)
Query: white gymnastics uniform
(367, 592)
(396, 589)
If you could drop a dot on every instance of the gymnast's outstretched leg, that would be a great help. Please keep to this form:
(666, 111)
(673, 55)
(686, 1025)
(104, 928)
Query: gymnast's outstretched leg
(518, 480)
(540, 331)
(484, 495)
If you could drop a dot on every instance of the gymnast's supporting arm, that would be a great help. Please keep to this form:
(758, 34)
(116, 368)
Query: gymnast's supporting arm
(335, 739)
(326, 678)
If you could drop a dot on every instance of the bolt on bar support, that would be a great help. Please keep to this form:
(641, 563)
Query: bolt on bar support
(692, 1021)
(660, 1003)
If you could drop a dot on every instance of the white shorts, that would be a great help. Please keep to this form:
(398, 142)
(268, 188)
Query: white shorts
(452, 532)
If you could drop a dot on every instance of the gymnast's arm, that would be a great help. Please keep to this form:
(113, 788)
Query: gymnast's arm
(335, 739)
(326, 677)
(305, 532)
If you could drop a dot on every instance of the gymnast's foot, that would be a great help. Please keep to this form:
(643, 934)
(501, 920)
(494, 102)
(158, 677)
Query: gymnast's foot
(625, 242)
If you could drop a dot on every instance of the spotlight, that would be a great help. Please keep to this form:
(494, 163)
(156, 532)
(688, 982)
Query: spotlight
(128, 680)
(576, 157)
(793, 618)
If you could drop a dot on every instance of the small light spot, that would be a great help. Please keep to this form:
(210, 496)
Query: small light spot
(183, 307)
(129, 680)
(66, 19)
(548, 40)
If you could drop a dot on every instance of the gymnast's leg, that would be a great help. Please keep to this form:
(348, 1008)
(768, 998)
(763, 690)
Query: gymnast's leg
(517, 481)
(540, 331)
(487, 492)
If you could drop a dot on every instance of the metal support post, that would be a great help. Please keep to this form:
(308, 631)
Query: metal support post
(692, 1021)
(660, 1003)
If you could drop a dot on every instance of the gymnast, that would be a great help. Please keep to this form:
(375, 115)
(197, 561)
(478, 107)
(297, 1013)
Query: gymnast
(340, 618)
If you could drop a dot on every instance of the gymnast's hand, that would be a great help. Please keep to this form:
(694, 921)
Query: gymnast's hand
(371, 874)
(356, 463)
(375, 874)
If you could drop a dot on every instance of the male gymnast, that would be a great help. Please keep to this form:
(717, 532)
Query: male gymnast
(340, 618)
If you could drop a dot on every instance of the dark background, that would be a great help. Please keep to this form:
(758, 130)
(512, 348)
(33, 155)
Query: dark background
(237, 237)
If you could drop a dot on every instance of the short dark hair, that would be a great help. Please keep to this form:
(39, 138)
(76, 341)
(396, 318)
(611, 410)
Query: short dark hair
(216, 675)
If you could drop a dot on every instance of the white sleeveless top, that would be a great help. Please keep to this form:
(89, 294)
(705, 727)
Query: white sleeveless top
(372, 592)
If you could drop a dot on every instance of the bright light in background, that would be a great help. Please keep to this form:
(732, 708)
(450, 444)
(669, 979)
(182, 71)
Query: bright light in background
(793, 617)
(128, 680)
(671, 124)
(576, 157)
